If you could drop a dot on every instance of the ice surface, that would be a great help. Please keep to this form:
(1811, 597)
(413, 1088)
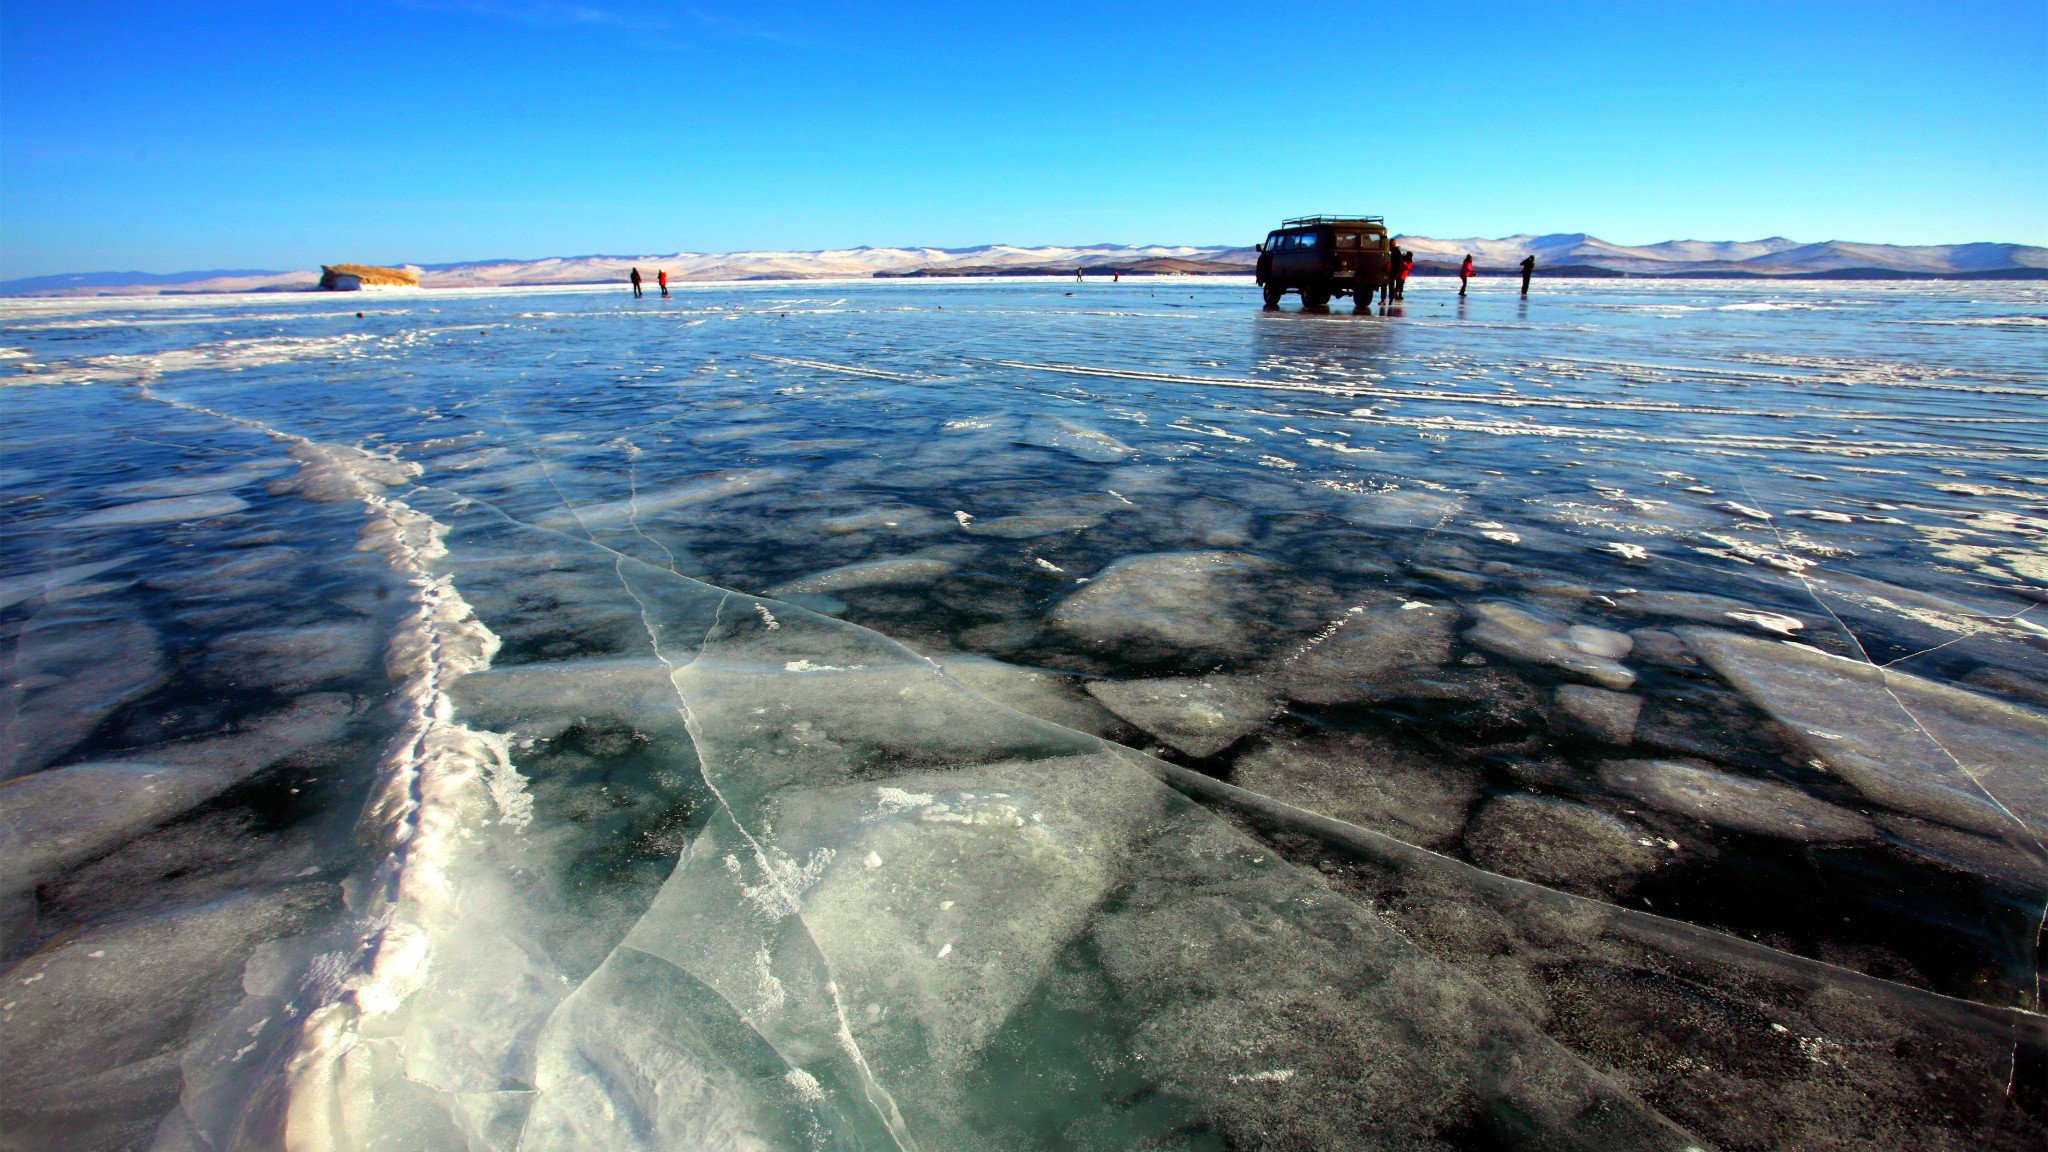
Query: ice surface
(634, 860)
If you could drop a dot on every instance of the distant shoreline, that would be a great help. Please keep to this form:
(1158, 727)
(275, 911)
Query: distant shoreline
(1572, 254)
(1093, 272)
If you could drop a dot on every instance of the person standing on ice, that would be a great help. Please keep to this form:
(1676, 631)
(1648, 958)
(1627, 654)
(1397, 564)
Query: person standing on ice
(1528, 269)
(1465, 274)
(1403, 261)
(661, 278)
(636, 283)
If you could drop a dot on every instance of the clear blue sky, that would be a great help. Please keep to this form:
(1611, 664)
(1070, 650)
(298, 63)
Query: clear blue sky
(168, 136)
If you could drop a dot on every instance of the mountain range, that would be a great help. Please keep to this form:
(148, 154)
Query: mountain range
(1560, 253)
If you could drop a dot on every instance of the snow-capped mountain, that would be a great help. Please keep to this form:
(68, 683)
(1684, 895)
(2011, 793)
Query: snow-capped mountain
(1775, 256)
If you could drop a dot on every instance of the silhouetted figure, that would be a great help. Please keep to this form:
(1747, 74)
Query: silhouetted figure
(661, 278)
(1528, 269)
(636, 284)
(1116, 277)
(1393, 284)
(1077, 275)
(1465, 274)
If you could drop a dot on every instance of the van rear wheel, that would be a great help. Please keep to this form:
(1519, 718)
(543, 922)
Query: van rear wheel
(1315, 297)
(1273, 294)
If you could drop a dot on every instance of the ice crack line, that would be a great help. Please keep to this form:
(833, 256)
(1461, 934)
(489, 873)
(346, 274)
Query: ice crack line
(878, 1097)
(2041, 921)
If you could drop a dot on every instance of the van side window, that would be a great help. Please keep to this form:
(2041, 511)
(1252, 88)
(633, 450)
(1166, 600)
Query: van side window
(1347, 239)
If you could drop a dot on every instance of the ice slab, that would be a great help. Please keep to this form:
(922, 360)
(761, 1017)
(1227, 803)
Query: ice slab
(1363, 650)
(1707, 608)
(1402, 508)
(57, 818)
(1524, 635)
(68, 673)
(108, 1013)
(1364, 780)
(1559, 843)
(1200, 716)
(170, 510)
(1923, 748)
(1609, 715)
(699, 490)
(894, 572)
(17, 589)
(1189, 601)
(1756, 806)
(297, 659)
(1090, 444)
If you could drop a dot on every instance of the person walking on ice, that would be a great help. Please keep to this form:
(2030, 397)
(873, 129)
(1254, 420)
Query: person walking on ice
(1465, 274)
(636, 284)
(1528, 269)
(661, 278)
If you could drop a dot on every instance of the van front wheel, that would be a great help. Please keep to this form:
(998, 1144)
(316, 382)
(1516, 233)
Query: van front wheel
(1273, 294)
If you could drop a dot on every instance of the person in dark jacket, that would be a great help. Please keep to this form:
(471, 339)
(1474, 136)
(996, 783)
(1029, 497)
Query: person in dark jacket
(636, 283)
(1528, 269)
(1465, 274)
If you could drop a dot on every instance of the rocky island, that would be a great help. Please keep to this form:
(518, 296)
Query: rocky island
(356, 277)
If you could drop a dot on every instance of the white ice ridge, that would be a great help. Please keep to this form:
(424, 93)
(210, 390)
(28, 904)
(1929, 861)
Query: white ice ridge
(438, 782)
(225, 354)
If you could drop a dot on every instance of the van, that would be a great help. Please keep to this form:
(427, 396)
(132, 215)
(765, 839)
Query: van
(1325, 256)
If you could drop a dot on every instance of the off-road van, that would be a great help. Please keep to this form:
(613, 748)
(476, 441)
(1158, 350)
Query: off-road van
(1325, 256)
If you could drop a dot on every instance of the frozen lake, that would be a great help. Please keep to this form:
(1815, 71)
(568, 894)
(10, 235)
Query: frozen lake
(1026, 715)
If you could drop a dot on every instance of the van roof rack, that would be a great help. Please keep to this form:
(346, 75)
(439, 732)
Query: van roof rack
(1333, 218)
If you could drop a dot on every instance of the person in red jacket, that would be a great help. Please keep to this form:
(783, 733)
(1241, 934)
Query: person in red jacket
(1401, 282)
(661, 278)
(1464, 273)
